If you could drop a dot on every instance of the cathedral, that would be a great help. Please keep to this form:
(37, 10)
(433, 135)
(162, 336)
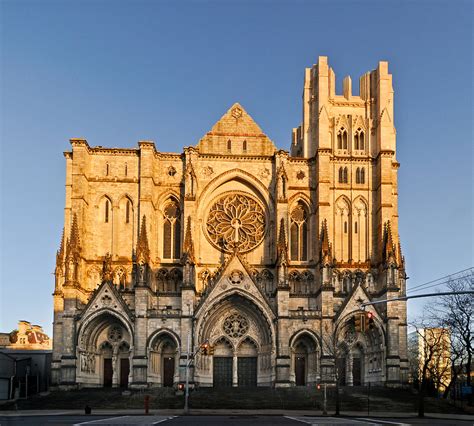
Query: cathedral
(265, 256)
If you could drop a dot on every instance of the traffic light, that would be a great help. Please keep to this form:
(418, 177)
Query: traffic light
(318, 386)
(370, 324)
(181, 386)
(204, 348)
(359, 322)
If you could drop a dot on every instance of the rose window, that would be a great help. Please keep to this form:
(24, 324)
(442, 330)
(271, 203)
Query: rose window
(115, 333)
(236, 326)
(236, 222)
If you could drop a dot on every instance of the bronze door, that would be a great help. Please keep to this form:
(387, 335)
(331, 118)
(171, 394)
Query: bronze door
(300, 370)
(108, 372)
(168, 371)
(222, 371)
(356, 371)
(124, 372)
(247, 371)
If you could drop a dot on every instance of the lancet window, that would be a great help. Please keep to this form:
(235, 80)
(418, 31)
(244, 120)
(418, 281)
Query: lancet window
(359, 139)
(342, 138)
(343, 175)
(172, 231)
(299, 233)
(360, 175)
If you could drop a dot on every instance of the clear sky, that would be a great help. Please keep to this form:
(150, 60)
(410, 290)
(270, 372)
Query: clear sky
(116, 72)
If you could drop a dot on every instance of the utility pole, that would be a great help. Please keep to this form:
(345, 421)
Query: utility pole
(186, 390)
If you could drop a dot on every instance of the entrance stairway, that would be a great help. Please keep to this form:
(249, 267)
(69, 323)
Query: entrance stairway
(299, 398)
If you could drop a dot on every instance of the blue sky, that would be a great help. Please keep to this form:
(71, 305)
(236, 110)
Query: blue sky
(116, 72)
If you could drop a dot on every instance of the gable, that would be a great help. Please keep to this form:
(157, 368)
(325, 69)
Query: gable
(236, 133)
(235, 278)
(107, 297)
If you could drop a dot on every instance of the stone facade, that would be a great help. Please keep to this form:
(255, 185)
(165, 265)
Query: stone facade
(263, 253)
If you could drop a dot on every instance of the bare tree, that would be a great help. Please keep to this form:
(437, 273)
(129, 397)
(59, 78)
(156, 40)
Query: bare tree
(432, 344)
(455, 312)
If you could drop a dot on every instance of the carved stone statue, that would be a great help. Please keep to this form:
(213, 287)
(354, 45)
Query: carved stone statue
(107, 273)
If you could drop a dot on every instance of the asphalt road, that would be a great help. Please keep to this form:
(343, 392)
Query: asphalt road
(217, 420)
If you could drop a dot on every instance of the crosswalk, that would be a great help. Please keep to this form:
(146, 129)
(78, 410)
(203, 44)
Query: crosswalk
(323, 421)
(128, 420)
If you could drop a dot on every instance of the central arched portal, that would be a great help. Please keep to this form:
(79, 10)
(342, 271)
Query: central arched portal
(242, 340)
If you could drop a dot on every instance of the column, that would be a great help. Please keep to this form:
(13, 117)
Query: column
(349, 377)
(235, 376)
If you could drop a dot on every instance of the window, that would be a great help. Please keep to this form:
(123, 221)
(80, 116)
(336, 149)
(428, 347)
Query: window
(107, 169)
(244, 146)
(299, 233)
(360, 175)
(343, 175)
(229, 145)
(107, 208)
(172, 231)
(128, 207)
(355, 227)
(359, 139)
(126, 169)
(345, 227)
(342, 138)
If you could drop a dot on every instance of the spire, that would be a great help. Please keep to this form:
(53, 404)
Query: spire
(60, 252)
(389, 250)
(326, 249)
(143, 250)
(188, 246)
(73, 246)
(282, 247)
(73, 254)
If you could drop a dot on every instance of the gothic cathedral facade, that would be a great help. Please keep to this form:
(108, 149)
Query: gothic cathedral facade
(264, 254)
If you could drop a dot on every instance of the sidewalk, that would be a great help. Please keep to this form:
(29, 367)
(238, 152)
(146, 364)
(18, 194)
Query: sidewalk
(233, 412)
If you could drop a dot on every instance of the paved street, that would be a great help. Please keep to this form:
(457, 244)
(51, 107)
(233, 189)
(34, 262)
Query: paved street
(227, 420)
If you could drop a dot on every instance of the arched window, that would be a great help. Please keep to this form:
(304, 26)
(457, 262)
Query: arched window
(362, 175)
(355, 227)
(229, 145)
(172, 231)
(107, 211)
(341, 175)
(294, 279)
(107, 169)
(359, 139)
(128, 208)
(358, 175)
(345, 227)
(126, 169)
(342, 138)
(244, 146)
(299, 233)
(345, 175)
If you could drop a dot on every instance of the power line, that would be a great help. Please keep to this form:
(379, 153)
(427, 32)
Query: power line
(450, 276)
(417, 296)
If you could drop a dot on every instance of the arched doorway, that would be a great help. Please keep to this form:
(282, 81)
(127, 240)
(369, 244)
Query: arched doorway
(104, 352)
(247, 356)
(163, 360)
(242, 340)
(305, 360)
(222, 364)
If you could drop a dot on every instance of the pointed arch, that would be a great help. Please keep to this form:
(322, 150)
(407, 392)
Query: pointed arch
(299, 231)
(171, 229)
(360, 238)
(341, 236)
